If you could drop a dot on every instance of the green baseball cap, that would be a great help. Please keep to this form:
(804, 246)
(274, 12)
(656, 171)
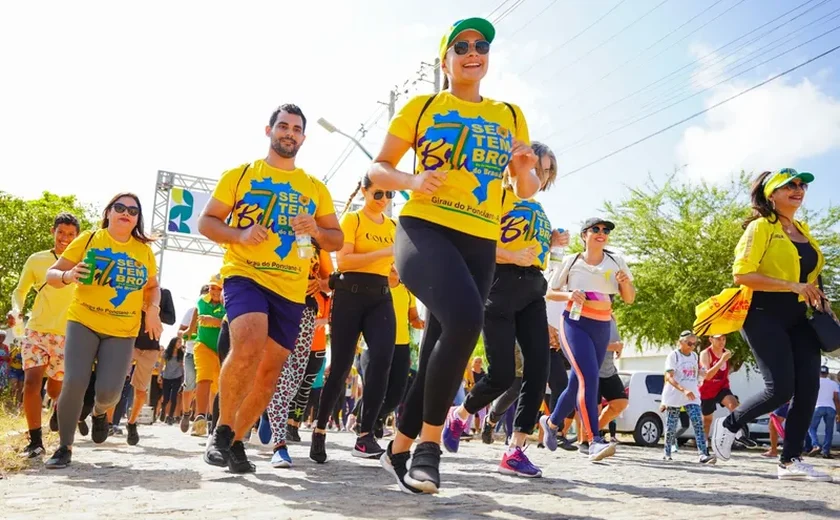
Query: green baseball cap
(475, 24)
(784, 177)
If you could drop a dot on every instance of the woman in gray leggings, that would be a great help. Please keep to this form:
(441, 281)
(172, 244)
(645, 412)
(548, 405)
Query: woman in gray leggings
(115, 274)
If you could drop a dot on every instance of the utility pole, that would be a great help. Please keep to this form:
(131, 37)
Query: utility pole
(436, 82)
(392, 109)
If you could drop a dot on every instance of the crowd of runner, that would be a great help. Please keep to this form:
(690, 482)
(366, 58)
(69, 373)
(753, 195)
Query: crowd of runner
(472, 244)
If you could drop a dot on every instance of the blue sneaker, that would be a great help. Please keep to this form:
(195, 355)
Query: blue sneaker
(264, 430)
(549, 435)
(517, 463)
(281, 458)
(452, 430)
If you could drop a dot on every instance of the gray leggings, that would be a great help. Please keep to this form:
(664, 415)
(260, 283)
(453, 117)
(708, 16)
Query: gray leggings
(81, 347)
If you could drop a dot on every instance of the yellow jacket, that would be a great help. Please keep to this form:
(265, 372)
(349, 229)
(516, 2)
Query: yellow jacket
(765, 248)
(49, 312)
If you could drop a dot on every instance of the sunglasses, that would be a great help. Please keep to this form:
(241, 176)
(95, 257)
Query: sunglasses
(462, 47)
(121, 208)
(378, 194)
(599, 229)
(796, 186)
(691, 343)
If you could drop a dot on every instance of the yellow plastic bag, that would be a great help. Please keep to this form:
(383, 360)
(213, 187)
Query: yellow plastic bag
(724, 313)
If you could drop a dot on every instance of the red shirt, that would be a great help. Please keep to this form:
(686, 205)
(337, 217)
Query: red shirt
(710, 388)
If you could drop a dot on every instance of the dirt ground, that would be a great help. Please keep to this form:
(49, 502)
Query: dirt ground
(164, 477)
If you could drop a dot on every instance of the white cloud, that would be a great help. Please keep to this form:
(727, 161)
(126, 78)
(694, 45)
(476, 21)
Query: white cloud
(772, 127)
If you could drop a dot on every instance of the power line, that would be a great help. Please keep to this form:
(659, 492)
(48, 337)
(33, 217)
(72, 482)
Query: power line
(507, 13)
(573, 125)
(529, 22)
(573, 38)
(491, 13)
(730, 78)
(610, 73)
(716, 105)
(738, 62)
(611, 38)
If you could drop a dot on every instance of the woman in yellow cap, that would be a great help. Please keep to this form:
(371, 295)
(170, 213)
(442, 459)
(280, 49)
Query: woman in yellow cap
(780, 261)
(465, 145)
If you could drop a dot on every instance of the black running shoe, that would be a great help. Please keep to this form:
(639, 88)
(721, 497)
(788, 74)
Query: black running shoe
(83, 429)
(367, 448)
(425, 473)
(54, 420)
(35, 448)
(292, 433)
(218, 447)
(487, 431)
(133, 437)
(60, 459)
(583, 448)
(238, 460)
(565, 444)
(99, 428)
(318, 449)
(397, 466)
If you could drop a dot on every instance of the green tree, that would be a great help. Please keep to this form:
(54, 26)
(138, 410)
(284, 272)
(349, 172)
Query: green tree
(26, 229)
(679, 239)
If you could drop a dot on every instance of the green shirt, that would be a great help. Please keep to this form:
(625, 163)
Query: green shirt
(209, 336)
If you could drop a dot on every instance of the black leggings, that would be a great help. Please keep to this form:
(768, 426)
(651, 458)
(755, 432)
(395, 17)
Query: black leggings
(515, 310)
(451, 273)
(558, 378)
(171, 387)
(297, 408)
(369, 311)
(222, 348)
(787, 352)
(397, 378)
(312, 406)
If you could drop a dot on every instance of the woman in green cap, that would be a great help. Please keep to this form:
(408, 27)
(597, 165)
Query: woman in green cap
(445, 251)
(780, 261)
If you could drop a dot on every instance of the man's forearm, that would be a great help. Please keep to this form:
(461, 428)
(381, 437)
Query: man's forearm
(330, 239)
(217, 231)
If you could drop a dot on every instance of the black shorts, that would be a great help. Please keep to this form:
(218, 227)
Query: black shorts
(611, 388)
(708, 406)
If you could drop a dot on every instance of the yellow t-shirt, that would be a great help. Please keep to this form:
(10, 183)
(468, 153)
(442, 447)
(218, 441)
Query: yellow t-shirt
(112, 304)
(49, 312)
(367, 236)
(403, 301)
(271, 197)
(524, 223)
(472, 141)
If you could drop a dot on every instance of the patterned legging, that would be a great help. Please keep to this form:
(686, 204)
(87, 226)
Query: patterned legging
(298, 406)
(289, 381)
(696, 417)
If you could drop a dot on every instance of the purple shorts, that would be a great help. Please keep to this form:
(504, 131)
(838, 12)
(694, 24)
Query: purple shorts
(243, 295)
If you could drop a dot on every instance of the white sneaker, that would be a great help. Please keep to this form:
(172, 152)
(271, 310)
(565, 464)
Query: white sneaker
(722, 439)
(600, 450)
(707, 459)
(799, 470)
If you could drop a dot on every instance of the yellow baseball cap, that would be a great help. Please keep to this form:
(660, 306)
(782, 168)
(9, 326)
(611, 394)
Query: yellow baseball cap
(784, 177)
(216, 280)
(475, 24)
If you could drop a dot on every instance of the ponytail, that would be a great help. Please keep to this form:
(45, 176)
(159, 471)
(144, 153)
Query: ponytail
(762, 206)
(445, 83)
(365, 183)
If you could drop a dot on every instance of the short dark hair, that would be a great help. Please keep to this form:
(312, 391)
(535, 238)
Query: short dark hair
(289, 109)
(68, 219)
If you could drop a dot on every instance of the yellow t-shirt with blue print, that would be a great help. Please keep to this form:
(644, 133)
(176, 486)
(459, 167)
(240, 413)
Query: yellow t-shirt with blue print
(525, 224)
(472, 142)
(112, 304)
(271, 197)
(367, 236)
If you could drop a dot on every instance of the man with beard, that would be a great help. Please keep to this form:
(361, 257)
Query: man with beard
(266, 214)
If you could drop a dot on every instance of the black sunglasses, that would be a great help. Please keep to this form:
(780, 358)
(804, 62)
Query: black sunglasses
(378, 194)
(462, 47)
(599, 229)
(119, 207)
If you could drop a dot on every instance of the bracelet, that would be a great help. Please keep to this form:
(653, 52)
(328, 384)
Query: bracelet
(62, 277)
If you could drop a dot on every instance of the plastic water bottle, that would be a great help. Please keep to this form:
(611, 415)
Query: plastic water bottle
(574, 314)
(557, 252)
(304, 245)
(90, 262)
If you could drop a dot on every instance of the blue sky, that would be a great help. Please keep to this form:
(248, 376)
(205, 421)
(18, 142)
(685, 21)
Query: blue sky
(105, 94)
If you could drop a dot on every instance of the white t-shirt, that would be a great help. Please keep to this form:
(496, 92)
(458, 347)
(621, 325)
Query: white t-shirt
(827, 390)
(577, 275)
(686, 371)
(189, 346)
